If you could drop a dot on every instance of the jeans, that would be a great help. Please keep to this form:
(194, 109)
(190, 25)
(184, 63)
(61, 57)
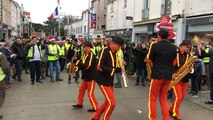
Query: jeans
(57, 65)
(118, 76)
(140, 73)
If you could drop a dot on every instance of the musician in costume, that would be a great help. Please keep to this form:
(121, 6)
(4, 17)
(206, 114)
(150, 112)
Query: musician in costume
(106, 69)
(162, 55)
(181, 87)
(88, 67)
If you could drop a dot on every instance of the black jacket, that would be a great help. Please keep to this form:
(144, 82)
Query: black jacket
(106, 66)
(19, 50)
(140, 55)
(88, 66)
(162, 55)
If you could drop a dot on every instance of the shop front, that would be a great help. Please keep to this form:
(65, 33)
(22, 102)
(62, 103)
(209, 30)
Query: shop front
(200, 29)
(125, 33)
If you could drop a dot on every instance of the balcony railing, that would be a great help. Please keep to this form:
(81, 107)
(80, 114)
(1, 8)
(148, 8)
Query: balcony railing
(145, 13)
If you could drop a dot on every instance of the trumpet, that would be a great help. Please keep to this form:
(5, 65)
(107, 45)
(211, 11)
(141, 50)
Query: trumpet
(123, 72)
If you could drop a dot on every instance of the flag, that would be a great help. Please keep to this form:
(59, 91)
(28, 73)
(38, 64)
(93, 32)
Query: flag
(55, 13)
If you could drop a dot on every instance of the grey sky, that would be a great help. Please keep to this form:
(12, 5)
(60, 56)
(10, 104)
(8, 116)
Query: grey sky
(41, 9)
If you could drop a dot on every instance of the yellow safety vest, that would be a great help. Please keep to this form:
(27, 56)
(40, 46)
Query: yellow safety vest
(206, 59)
(67, 46)
(30, 52)
(61, 50)
(2, 75)
(53, 50)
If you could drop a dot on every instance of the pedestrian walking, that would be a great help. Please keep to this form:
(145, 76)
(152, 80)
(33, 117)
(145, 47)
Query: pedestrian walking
(88, 66)
(162, 55)
(106, 69)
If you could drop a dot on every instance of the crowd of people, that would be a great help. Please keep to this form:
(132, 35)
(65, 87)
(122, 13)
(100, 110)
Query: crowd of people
(44, 57)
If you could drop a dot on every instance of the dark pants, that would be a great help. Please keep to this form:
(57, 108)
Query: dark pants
(141, 75)
(43, 69)
(211, 86)
(18, 65)
(2, 92)
(195, 83)
(35, 70)
(62, 63)
(47, 68)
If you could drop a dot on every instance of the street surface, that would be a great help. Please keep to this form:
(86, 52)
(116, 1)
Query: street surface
(53, 101)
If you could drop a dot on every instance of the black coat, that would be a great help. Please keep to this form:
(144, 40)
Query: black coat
(140, 55)
(19, 50)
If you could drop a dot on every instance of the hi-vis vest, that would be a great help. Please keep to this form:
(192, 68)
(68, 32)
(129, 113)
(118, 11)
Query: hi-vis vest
(119, 55)
(206, 59)
(52, 50)
(61, 50)
(67, 46)
(2, 75)
(31, 52)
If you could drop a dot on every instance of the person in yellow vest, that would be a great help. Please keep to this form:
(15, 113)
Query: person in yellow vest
(52, 52)
(62, 54)
(4, 70)
(118, 75)
(67, 46)
(34, 54)
(206, 62)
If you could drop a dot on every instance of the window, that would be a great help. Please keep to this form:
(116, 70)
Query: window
(112, 7)
(146, 4)
(125, 3)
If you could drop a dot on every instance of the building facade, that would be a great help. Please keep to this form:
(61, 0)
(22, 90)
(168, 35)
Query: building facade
(147, 16)
(99, 8)
(6, 19)
(199, 20)
(13, 20)
(76, 29)
(119, 18)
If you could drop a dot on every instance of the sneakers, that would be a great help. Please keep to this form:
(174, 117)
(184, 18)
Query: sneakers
(91, 110)
(194, 95)
(143, 84)
(210, 102)
(77, 106)
(39, 82)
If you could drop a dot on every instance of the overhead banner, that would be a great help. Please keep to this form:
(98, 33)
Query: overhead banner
(93, 21)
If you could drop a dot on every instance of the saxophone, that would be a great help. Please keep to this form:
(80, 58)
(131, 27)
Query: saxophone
(124, 75)
(188, 67)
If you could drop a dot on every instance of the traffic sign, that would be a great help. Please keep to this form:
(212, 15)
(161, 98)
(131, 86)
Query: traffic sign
(165, 19)
(165, 25)
(172, 35)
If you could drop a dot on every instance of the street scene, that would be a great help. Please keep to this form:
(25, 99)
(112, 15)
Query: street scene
(106, 60)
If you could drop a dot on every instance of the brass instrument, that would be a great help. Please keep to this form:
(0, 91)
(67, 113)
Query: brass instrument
(149, 71)
(188, 67)
(72, 66)
(123, 72)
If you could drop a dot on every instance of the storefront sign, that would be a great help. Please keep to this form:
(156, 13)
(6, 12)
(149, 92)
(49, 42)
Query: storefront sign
(200, 20)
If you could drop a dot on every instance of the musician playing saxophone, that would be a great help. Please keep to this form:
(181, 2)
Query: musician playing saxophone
(88, 67)
(162, 55)
(181, 87)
